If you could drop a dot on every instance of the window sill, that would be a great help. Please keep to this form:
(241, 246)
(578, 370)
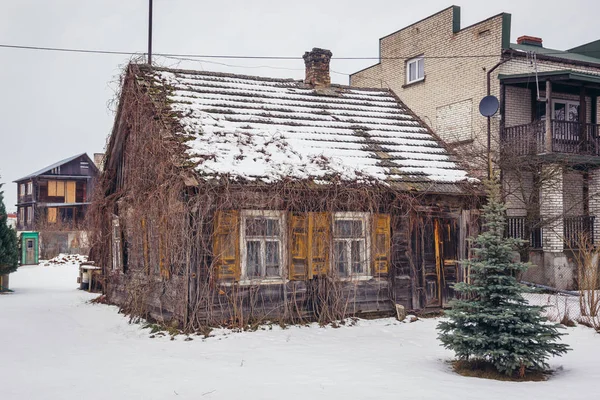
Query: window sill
(254, 282)
(356, 278)
(422, 80)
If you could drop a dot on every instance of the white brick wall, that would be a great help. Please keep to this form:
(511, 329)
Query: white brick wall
(594, 201)
(551, 207)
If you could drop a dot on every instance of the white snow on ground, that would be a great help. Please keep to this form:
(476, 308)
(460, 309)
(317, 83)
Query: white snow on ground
(64, 259)
(55, 345)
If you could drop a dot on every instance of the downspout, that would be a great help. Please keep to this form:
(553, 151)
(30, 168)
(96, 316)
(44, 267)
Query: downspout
(489, 123)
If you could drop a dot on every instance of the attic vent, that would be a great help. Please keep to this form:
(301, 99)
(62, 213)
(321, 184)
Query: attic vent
(530, 40)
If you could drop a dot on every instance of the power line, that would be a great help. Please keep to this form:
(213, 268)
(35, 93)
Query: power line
(242, 57)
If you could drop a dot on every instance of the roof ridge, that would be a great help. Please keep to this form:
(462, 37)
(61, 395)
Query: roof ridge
(146, 68)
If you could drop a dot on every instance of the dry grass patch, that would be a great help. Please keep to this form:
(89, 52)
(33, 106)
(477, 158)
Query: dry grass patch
(486, 370)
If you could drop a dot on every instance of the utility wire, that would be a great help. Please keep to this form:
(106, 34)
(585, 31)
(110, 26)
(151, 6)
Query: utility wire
(88, 51)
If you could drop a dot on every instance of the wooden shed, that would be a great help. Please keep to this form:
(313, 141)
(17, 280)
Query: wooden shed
(230, 199)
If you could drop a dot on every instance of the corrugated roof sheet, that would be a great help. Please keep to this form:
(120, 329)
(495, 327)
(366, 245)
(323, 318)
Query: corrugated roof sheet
(565, 55)
(259, 129)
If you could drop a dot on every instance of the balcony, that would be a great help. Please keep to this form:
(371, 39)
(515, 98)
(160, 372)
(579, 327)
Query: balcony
(577, 231)
(568, 138)
(524, 229)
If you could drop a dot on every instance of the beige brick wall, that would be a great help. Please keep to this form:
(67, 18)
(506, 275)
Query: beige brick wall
(573, 193)
(518, 106)
(517, 188)
(594, 201)
(370, 77)
(447, 100)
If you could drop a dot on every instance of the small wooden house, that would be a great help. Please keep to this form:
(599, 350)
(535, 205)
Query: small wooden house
(54, 201)
(56, 194)
(229, 199)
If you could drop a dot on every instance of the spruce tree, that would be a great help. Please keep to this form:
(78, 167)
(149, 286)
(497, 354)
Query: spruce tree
(491, 321)
(9, 255)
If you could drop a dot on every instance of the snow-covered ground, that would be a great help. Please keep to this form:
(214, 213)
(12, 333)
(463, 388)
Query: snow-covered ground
(55, 345)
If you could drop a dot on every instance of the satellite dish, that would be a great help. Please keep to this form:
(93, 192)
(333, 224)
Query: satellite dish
(488, 106)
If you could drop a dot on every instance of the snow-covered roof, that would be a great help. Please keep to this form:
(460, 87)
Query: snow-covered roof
(264, 129)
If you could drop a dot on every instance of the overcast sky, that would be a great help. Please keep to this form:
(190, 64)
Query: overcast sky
(55, 105)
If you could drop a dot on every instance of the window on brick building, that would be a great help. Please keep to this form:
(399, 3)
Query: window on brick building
(415, 69)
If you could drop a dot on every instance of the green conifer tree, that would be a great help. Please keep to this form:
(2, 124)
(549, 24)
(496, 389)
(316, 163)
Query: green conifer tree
(492, 321)
(9, 255)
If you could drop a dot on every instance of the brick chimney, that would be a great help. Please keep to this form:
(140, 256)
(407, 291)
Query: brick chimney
(317, 67)
(530, 40)
(99, 160)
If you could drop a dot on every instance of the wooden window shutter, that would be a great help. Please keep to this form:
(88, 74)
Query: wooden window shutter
(70, 198)
(381, 247)
(226, 245)
(52, 215)
(51, 189)
(298, 263)
(319, 243)
(60, 189)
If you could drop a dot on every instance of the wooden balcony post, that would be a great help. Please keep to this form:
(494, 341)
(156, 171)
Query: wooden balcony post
(583, 131)
(548, 138)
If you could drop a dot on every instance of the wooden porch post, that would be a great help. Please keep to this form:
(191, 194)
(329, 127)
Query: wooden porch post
(548, 137)
(583, 132)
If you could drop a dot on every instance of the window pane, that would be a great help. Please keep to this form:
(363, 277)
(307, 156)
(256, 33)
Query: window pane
(255, 226)
(262, 227)
(421, 69)
(560, 111)
(412, 71)
(272, 258)
(272, 227)
(340, 257)
(574, 112)
(356, 250)
(348, 228)
(252, 258)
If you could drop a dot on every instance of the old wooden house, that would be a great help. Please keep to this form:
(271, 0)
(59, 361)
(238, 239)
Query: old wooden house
(54, 201)
(229, 199)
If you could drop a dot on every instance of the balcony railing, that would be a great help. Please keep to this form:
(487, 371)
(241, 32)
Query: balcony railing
(518, 228)
(567, 137)
(578, 231)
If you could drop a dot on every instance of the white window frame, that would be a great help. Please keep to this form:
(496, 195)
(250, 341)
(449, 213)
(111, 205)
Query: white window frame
(29, 214)
(22, 190)
(270, 214)
(117, 250)
(21, 215)
(29, 187)
(567, 104)
(366, 220)
(415, 61)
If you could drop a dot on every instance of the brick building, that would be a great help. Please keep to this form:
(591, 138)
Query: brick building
(549, 164)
